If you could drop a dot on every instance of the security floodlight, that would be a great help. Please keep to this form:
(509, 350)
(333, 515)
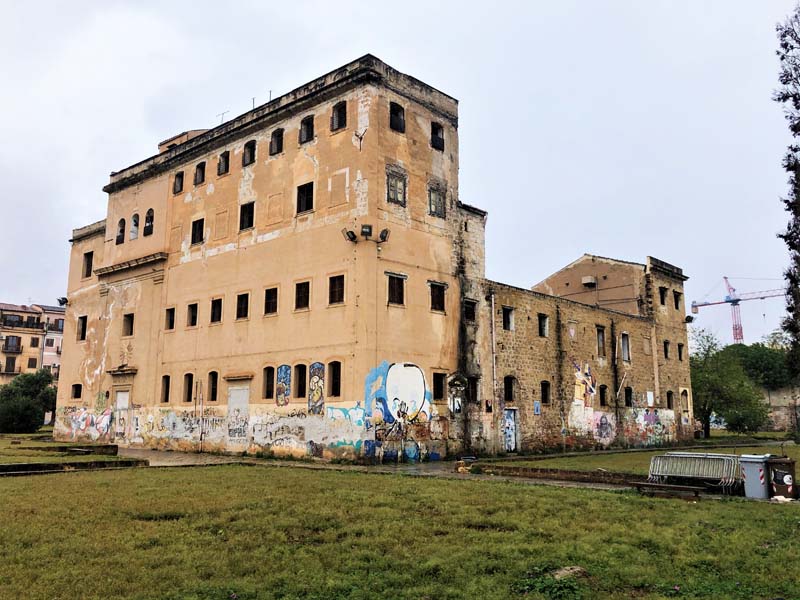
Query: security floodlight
(62, 301)
(366, 231)
(349, 235)
(384, 235)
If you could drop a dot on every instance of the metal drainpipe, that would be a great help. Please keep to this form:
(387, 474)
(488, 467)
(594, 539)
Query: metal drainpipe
(494, 357)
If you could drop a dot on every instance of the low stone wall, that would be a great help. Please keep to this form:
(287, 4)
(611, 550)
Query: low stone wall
(558, 474)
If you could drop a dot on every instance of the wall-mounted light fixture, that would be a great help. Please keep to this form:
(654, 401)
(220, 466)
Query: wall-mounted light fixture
(349, 235)
(366, 232)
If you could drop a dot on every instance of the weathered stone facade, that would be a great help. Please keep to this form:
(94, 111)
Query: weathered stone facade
(312, 295)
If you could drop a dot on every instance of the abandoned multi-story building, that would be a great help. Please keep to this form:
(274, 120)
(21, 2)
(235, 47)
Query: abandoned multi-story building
(304, 280)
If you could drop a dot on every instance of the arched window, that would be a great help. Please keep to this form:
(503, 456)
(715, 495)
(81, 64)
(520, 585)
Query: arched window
(249, 153)
(213, 381)
(121, 232)
(334, 378)
(300, 381)
(276, 142)
(545, 389)
(269, 383)
(603, 395)
(397, 117)
(135, 226)
(509, 383)
(684, 400)
(306, 129)
(670, 400)
(188, 387)
(628, 396)
(149, 218)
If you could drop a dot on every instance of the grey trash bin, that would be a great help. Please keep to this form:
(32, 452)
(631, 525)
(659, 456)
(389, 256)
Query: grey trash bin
(755, 475)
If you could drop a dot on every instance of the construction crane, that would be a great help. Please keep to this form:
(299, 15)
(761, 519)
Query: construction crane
(733, 298)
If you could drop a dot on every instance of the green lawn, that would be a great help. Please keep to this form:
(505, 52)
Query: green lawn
(16, 453)
(237, 532)
(639, 462)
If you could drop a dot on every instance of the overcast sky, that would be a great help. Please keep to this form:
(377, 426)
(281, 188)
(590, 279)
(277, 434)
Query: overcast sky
(618, 128)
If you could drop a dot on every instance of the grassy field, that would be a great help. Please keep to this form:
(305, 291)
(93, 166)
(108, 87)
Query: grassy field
(639, 462)
(16, 453)
(238, 533)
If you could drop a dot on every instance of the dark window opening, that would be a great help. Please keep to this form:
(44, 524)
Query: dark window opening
(544, 325)
(213, 382)
(165, 388)
(88, 261)
(396, 188)
(198, 231)
(34, 342)
(216, 310)
(334, 379)
(134, 226)
(508, 388)
(336, 289)
(188, 385)
(299, 381)
(169, 319)
(545, 391)
(305, 197)
(601, 340)
(603, 395)
(269, 383)
(397, 117)
(149, 221)
(224, 163)
(662, 295)
(680, 351)
(670, 400)
(666, 350)
(127, 324)
(628, 397)
(470, 307)
(191, 315)
(339, 116)
(200, 173)
(31, 363)
(270, 301)
(77, 390)
(306, 129)
(242, 306)
(302, 293)
(436, 202)
(472, 389)
(396, 289)
(177, 183)
(676, 298)
(276, 142)
(439, 381)
(626, 347)
(437, 136)
(508, 318)
(82, 323)
(437, 296)
(120, 232)
(247, 215)
(249, 153)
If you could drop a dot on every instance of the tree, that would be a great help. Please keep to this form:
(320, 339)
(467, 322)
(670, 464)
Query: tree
(24, 401)
(765, 366)
(789, 96)
(720, 386)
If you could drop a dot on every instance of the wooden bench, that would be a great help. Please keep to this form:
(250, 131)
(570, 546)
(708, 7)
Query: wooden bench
(643, 487)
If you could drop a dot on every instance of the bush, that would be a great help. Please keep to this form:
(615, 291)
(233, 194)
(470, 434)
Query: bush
(20, 414)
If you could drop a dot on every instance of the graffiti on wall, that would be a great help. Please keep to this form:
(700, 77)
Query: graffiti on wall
(604, 427)
(284, 388)
(316, 389)
(585, 384)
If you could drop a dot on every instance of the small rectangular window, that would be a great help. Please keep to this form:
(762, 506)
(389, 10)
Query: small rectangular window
(188, 387)
(396, 289)
(437, 296)
(437, 136)
(680, 351)
(200, 173)
(247, 215)
(472, 389)
(77, 390)
(662, 295)
(508, 318)
(88, 260)
(165, 388)
(34, 342)
(31, 363)
(305, 197)
(397, 117)
(508, 388)
(249, 153)
(269, 383)
(628, 397)
(191, 315)
(306, 129)
(302, 292)
(603, 395)
(339, 116)
(216, 310)
(601, 340)
(336, 289)
(436, 202)
(177, 183)
(49, 343)
(439, 384)
(544, 325)
(396, 188)
(676, 298)
(169, 319)
(626, 347)
(198, 231)
(224, 163)
(299, 381)
(334, 379)
(666, 350)
(127, 324)
(544, 388)
(271, 301)
(276, 142)
(470, 307)
(213, 383)
(242, 306)
(82, 323)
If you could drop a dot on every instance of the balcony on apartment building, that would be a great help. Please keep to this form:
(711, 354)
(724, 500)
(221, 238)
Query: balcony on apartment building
(12, 348)
(10, 369)
(10, 322)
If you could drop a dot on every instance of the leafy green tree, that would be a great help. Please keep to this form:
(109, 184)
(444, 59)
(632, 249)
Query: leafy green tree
(24, 401)
(720, 386)
(765, 366)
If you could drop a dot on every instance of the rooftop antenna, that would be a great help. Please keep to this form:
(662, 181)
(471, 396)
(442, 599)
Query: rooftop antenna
(270, 95)
(254, 101)
(222, 116)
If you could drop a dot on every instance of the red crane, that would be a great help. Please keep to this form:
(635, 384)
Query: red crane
(734, 299)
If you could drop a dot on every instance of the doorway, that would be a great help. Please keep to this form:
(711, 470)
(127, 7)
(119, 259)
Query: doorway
(510, 430)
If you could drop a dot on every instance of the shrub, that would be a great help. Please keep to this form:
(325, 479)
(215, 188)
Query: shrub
(20, 414)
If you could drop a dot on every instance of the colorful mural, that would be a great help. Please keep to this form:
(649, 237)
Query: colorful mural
(316, 389)
(585, 384)
(283, 390)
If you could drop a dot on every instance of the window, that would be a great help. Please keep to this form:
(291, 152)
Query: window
(276, 142)
(200, 173)
(306, 129)
(270, 301)
(436, 202)
(177, 183)
(120, 232)
(59, 325)
(249, 153)
(439, 381)
(246, 215)
(544, 387)
(437, 136)
(49, 342)
(437, 296)
(299, 381)
(397, 117)
(127, 324)
(269, 383)
(213, 384)
(224, 163)
(601, 340)
(169, 319)
(302, 293)
(216, 310)
(508, 388)
(13, 343)
(397, 289)
(628, 396)
(77, 390)
(603, 395)
(188, 384)
(626, 347)
(508, 318)
(242, 306)
(339, 116)
(149, 219)
(191, 315)
(544, 325)
(198, 233)
(470, 307)
(666, 350)
(11, 364)
(334, 379)
(31, 363)
(82, 323)
(88, 262)
(336, 289)
(165, 388)
(395, 187)
(34, 342)
(662, 295)
(680, 351)
(670, 400)
(134, 226)
(676, 298)
(305, 197)
(472, 389)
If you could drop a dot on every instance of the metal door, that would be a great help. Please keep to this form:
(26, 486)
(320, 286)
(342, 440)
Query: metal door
(510, 430)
